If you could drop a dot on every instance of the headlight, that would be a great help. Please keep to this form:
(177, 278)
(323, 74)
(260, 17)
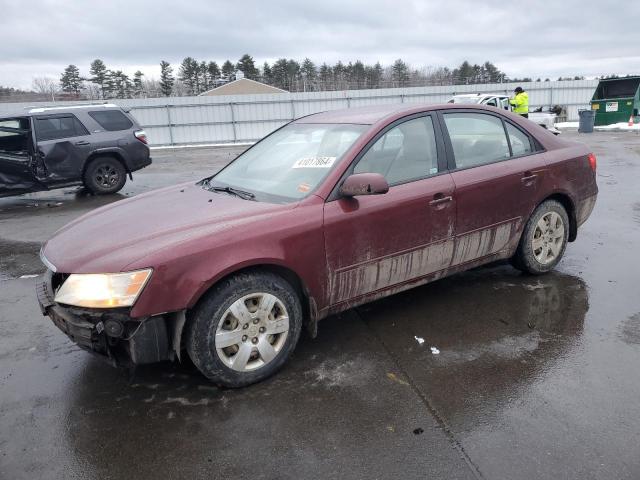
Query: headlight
(97, 290)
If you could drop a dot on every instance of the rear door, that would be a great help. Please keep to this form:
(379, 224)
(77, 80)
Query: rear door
(497, 172)
(376, 242)
(63, 144)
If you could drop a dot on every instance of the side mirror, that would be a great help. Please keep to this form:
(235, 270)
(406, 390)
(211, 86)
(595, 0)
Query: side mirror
(364, 184)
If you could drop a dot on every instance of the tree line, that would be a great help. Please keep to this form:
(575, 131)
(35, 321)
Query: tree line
(193, 77)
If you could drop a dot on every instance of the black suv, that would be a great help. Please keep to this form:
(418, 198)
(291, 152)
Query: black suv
(52, 147)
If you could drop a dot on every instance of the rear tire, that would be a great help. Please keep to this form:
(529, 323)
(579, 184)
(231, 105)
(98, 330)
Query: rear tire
(544, 239)
(104, 175)
(244, 329)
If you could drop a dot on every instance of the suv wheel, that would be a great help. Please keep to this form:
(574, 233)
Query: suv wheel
(104, 175)
(544, 239)
(245, 329)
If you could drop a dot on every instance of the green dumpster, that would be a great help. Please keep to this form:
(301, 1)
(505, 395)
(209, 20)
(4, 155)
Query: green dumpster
(616, 99)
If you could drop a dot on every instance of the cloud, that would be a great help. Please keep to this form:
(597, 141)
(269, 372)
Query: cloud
(524, 38)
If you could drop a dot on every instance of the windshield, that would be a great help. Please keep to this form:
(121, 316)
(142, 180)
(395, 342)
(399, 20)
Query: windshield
(290, 163)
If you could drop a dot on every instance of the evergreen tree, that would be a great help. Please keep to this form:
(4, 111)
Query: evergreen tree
(122, 84)
(137, 83)
(279, 73)
(400, 73)
(325, 74)
(376, 75)
(109, 87)
(247, 66)
(188, 75)
(204, 81)
(98, 72)
(293, 74)
(166, 78)
(228, 70)
(214, 73)
(267, 75)
(309, 74)
(358, 77)
(339, 76)
(70, 80)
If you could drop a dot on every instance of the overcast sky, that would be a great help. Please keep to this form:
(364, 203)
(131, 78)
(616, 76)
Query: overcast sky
(523, 38)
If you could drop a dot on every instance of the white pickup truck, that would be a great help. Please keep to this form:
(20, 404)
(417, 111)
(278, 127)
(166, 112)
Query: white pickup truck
(544, 119)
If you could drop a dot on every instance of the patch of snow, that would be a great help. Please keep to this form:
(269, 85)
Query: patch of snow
(28, 276)
(620, 126)
(435, 351)
(420, 340)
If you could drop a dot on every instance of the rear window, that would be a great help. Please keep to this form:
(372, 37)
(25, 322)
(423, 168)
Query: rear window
(112, 120)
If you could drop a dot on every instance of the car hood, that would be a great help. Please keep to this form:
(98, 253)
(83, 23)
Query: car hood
(108, 239)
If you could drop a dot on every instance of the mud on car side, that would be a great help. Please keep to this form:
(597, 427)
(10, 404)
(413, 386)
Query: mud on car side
(91, 145)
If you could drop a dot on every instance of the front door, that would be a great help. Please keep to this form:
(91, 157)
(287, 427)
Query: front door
(496, 171)
(376, 242)
(16, 157)
(63, 145)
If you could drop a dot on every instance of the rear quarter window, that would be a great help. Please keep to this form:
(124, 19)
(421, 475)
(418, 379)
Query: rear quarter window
(112, 120)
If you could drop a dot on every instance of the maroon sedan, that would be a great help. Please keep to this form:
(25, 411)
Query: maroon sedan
(330, 211)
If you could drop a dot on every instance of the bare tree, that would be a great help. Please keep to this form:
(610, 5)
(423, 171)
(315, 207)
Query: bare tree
(45, 85)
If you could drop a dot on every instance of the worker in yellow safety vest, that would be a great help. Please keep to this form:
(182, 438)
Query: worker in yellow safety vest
(520, 102)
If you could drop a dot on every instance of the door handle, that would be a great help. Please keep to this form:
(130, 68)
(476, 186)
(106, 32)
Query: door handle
(528, 177)
(82, 143)
(439, 199)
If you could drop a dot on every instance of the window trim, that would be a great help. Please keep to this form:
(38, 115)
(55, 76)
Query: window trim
(536, 147)
(54, 116)
(440, 152)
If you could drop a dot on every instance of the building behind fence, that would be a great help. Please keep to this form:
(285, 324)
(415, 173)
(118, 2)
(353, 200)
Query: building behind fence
(247, 118)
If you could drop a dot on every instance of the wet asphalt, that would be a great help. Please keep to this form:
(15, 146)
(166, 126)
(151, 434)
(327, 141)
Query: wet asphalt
(534, 377)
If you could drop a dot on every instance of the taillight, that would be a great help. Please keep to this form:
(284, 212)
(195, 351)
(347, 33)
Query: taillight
(592, 161)
(142, 136)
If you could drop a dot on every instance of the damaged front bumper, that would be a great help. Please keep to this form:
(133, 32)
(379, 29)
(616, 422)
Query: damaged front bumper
(112, 333)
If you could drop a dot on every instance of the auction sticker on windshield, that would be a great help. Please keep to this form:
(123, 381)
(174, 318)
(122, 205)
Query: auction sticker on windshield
(314, 162)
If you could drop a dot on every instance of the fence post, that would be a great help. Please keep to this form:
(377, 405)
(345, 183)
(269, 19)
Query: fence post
(293, 110)
(233, 123)
(169, 122)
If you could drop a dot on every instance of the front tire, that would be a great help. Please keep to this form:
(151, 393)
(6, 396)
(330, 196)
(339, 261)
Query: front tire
(244, 329)
(104, 175)
(544, 239)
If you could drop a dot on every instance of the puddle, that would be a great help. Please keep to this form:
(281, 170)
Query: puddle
(19, 258)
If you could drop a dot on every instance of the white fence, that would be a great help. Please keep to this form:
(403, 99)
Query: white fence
(246, 118)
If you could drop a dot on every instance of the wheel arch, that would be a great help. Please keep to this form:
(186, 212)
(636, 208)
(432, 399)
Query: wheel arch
(307, 301)
(108, 153)
(568, 204)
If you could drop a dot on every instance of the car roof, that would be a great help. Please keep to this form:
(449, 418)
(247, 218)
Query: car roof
(33, 110)
(378, 113)
(479, 95)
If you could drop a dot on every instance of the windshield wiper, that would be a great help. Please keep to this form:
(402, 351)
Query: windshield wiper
(234, 191)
